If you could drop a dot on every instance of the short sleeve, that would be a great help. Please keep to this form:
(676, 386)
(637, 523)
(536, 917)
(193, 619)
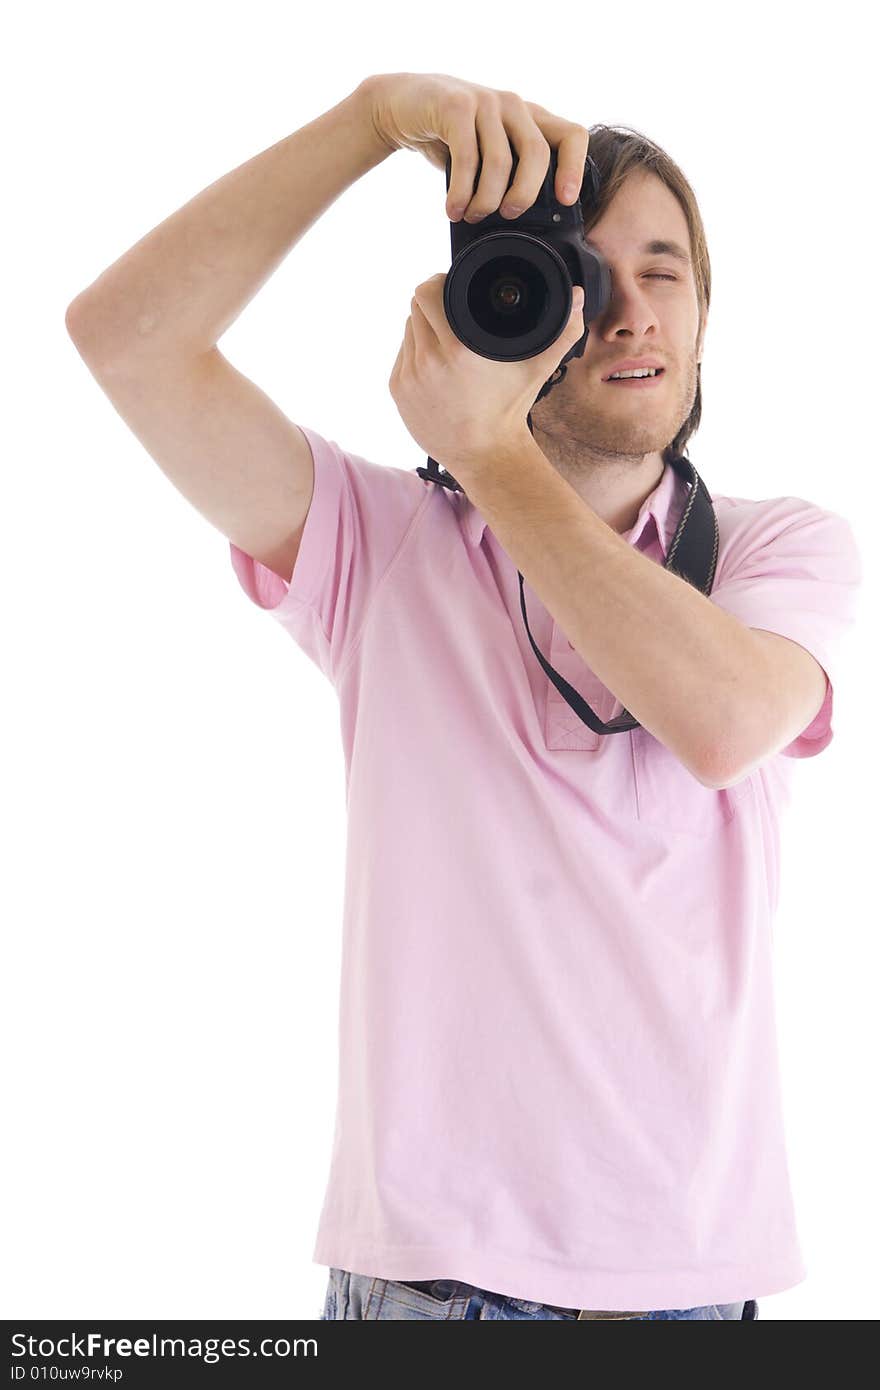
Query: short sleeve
(358, 518)
(793, 568)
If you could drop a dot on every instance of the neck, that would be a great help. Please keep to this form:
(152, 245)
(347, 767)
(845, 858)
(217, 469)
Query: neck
(613, 484)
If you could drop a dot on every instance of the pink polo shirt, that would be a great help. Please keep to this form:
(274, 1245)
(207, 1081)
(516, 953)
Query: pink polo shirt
(558, 1072)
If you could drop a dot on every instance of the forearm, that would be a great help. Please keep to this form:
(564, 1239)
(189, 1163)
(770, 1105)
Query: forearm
(182, 285)
(687, 670)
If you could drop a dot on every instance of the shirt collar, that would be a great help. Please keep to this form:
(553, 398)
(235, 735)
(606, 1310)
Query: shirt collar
(663, 507)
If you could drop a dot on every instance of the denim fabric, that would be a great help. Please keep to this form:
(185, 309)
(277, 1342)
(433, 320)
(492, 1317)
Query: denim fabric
(365, 1296)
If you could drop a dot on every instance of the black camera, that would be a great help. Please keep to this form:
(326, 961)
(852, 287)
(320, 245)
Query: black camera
(508, 292)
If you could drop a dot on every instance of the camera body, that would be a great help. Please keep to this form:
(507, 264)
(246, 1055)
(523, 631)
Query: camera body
(508, 292)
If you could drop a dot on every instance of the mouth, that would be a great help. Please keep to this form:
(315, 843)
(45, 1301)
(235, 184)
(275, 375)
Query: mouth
(637, 383)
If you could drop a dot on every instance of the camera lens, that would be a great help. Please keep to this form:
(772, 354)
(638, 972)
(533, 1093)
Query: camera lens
(507, 296)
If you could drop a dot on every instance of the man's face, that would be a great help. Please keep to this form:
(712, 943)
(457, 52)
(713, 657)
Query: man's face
(653, 312)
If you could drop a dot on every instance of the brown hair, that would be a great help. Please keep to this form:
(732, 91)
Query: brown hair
(617, 151)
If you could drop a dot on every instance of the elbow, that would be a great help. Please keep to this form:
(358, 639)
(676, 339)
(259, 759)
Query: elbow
(721, 763)
(80, 324)
(100, 341)
(73, 316)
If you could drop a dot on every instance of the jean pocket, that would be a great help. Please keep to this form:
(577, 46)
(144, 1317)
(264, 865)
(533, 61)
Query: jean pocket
(409, 1300)
(441, 1290)
(669, 796)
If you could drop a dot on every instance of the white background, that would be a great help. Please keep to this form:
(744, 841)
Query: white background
(173, 775)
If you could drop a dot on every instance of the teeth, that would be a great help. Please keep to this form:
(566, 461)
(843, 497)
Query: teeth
(645, 371)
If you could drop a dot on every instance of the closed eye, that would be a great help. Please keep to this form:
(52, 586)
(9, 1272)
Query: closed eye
(658, 276)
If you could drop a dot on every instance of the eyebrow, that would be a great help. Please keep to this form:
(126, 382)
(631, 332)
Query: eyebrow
(659, 248)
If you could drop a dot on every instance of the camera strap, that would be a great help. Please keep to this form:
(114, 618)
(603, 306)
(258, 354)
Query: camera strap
(692, 555)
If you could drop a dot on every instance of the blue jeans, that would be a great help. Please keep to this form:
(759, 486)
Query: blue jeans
(363, 1296)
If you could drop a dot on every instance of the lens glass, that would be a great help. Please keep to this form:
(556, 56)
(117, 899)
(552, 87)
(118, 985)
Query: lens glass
(507, 297)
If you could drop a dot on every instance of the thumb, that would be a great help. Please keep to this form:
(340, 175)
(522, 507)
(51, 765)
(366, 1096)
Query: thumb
(575, 326)
(573, 329)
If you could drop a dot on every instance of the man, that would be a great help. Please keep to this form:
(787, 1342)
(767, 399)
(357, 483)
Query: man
(558, 1088)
